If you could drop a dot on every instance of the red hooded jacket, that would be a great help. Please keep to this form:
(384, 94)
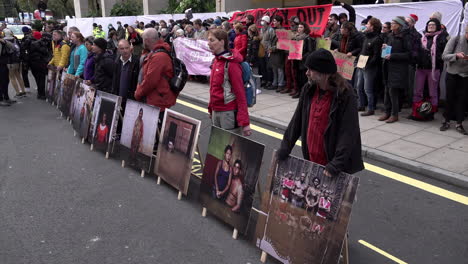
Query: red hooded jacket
(157, 71)
(235, 77)
(240, 44)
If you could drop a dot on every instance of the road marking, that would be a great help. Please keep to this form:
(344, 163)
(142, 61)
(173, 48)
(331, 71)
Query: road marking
(381, 171)
(418, 184)
(381, 252)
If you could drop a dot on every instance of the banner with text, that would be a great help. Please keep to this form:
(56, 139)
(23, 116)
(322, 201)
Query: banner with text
(315, 16)
(195, 54)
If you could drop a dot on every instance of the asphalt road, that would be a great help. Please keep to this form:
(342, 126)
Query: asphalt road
(62, 203)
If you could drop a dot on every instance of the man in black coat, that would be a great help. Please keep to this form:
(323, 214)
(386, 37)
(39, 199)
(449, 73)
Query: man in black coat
(126, 69)
(326, 119)
(40, 52)
(104, 66)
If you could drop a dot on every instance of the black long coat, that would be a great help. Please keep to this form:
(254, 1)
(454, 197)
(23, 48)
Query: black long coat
(396, 68)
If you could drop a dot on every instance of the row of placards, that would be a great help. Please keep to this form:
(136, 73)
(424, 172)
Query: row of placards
(304, 214)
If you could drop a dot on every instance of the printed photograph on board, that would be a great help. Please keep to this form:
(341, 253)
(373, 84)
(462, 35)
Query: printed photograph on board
(80, 108)
(176, 149)
(66, 93)
(60, 77)
(138, 136)
(51, 79)
(105, 119)
(308, 212)
(230, 175)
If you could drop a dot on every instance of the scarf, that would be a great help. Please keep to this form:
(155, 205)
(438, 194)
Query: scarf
(433, 48)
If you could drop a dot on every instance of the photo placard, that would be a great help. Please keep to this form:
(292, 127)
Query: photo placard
(81, 108)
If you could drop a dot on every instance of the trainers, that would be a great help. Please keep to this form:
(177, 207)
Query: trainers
(445, 126)
(3, 103)
(461, 130)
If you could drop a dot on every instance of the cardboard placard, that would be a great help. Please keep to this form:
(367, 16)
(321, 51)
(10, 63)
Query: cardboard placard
(283, 44)
(283, 34)
(345, 64)
(295, 50)
(362, 61)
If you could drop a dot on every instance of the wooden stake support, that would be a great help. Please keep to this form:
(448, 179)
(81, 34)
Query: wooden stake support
(203, 213)
(107, 155)
(92, 147)
(235, 233)
(142, 173)
(179, 196)
(61, 114)
(69, 119)
(159, 181)
(74, 133)
(123, 163)
(263, 257)
(82, 140)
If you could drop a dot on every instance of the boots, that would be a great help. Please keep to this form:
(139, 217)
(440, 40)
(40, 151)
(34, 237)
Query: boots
(392, 119)
(384, 117)
(285, 90)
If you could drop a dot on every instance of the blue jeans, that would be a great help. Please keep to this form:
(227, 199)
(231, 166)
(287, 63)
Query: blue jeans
(365, 87)
(278, 77)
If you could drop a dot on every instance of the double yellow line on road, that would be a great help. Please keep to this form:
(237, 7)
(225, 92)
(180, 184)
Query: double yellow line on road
(381, 171)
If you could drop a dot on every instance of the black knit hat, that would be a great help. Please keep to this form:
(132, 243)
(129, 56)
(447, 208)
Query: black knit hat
(101, 43)
(322, 61)
(437, 22)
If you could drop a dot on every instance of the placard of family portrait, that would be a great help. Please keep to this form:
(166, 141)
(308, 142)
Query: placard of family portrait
(66, 93)
(307, 214)
(51, 79)
(81, 107)
(60, 77)
(104, 120)
(176, 149)
(230, 175)
(139, 127)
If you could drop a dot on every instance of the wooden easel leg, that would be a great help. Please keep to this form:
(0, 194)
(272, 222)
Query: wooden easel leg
(203, 213)
(107, 155)
(264, 256)
(74, 133)
(345, 252)
(82, 140)
(123, 163)
(142, 173)
(179, 196)
(92, 147)
(159, 181)
(235, 232)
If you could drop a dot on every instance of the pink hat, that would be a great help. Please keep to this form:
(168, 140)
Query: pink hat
(414, 16)
(37, 35)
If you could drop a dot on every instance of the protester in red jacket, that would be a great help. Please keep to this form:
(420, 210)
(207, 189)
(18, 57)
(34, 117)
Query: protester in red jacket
(155, 73)
(227, 111)
(241, 40)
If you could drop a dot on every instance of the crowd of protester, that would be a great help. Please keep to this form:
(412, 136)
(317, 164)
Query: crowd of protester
(120, 62)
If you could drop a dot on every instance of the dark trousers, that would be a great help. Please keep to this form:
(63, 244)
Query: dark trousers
(457, 97)
(24, 72)
(39, 71)
(264, 70)
(4, 81)
(391, 101)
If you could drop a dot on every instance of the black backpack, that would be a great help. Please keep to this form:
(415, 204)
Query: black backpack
(177, 83)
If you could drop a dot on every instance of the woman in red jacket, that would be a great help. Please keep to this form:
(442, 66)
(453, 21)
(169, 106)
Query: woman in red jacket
(228, 105)
(241, 40)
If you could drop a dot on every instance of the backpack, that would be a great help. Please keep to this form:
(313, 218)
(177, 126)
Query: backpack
(247, 78)
(177, 83)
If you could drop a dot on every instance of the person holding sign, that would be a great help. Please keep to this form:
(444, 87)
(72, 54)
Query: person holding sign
(395, 68)
(366, 73)
(277, 58)
(326, 119)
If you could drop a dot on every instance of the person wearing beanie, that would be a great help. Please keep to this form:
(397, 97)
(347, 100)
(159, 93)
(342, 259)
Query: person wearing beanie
(326, 119)
(395, 69)
(430, 66)
(103, 66)
(415, 50)
(39, 53)
(268, 34)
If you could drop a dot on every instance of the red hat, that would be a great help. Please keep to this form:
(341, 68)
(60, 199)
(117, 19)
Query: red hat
(414, 16)
(37, 35)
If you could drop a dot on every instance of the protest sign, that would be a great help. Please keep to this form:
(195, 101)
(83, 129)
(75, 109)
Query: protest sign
(345, 64)
(315, 16)
(323, 43)
(295, 50)
(283, 44)
(195, 54)
(362, 61)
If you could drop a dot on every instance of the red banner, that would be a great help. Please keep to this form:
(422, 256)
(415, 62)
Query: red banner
(315, 16)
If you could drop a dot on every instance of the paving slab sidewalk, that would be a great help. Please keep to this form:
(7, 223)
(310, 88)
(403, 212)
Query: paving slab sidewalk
(413, 145)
